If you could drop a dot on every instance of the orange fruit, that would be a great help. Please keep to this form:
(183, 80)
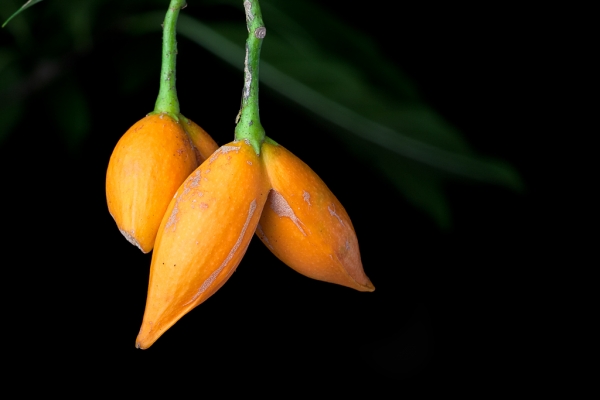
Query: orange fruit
(202, 141)
(148, 164)
(203, 235)
(305, 225)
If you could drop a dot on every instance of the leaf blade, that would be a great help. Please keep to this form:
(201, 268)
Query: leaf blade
(23, 8)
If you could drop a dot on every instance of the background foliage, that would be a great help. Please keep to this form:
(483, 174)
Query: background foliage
(333, 72)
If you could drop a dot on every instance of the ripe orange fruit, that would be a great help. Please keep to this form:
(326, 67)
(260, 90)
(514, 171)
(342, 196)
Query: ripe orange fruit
(202, 141)
(203, 235)
(306, 226)
(148, 164)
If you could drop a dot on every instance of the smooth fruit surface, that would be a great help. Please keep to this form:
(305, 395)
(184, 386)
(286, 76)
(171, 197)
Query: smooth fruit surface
(146, 167)
(202, 141)
(306, 226)
(203, 235)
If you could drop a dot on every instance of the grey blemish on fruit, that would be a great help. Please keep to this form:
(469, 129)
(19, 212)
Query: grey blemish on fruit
(131, 239)
(281, 207)
(213, 276)
(333, 213)
(227, 149)
(214, 155)
(249, 162)
(222, 150)
(195, 180)
(173, 217)
(306, 196)
(190, 183)
(261, 234)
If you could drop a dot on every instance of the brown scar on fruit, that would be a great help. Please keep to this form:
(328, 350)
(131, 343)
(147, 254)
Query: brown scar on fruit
(235, 247)
(196, 151)
(131, 239)
(281, 207)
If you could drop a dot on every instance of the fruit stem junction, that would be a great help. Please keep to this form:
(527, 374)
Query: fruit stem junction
(248, 121)
(167, 101)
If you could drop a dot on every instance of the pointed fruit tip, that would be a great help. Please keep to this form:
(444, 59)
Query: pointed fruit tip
(139, 345)
(370, 287)
(131, 239)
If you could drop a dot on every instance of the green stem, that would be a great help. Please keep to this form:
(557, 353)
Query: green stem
(249, 127)
(167, 101)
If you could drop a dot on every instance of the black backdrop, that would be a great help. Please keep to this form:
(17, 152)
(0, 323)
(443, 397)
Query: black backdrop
(452, 310)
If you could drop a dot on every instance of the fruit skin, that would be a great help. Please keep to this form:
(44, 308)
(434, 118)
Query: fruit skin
(203, 235)
(305, 225)
(148, 164)
(202, 141)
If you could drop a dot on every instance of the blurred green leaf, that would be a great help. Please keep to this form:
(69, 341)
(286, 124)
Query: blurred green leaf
(79, 19)
(421, 188)
(307, 67)
(23, 8)
(334, 71)
(71, 112)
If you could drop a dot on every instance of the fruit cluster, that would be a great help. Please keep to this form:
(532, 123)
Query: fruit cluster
(170, 188)
(207, 218)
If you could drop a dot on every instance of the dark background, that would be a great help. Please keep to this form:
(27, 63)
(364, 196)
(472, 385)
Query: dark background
(456, 308)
